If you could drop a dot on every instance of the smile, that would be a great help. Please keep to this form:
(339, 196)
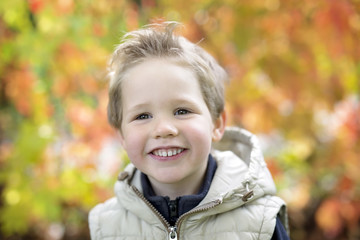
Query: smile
(167, 152)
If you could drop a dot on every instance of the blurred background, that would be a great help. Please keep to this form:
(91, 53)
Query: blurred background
(295, 82)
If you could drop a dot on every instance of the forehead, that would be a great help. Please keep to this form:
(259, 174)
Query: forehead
(154, 69)
(159, 79)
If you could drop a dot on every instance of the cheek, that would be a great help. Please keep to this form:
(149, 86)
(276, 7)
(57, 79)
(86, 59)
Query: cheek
(200, 133)
(134, 152)
(133, 144)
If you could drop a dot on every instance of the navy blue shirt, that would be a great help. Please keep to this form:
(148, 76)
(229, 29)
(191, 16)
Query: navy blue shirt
(173, 209)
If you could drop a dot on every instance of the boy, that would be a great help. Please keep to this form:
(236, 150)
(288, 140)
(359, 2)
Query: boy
(166, 98)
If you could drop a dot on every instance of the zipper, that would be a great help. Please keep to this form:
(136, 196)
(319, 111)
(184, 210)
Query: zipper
(171, 230)
(174, 230)
(157, 213)
(205, 207)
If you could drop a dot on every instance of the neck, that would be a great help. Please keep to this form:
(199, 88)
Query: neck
(188, 186)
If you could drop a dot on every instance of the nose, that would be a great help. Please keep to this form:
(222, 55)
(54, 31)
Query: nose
(165, 128)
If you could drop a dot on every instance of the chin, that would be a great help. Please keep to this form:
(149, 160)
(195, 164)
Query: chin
(168, 179)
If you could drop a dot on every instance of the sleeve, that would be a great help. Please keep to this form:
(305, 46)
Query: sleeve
(279, 232)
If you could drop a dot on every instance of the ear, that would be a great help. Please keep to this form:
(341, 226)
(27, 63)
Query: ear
(219, 127)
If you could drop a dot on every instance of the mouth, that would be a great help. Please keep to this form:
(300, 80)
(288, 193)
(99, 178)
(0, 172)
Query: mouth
(167, 152)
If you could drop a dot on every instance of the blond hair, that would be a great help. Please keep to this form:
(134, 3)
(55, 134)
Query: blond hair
(160, 41)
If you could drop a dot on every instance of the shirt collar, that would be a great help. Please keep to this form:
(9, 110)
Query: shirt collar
(184, 203)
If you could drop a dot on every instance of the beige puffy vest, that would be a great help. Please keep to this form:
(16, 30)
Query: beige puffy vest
(240, 203)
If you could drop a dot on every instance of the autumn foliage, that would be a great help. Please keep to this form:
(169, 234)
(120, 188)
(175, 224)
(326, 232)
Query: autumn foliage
(295, 82)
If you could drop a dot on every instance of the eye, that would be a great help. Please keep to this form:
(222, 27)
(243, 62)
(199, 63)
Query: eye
(181, 111)
(143, 116)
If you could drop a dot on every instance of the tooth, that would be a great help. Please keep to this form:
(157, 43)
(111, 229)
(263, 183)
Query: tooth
(167, 153)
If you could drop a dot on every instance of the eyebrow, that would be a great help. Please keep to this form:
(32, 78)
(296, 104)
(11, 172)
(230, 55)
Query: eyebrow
(135, 108)
(193, 103)
(139, 105)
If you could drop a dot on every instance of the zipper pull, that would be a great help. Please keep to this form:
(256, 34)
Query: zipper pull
(172, 233)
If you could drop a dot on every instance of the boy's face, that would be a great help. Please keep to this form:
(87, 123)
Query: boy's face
(167, 128)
